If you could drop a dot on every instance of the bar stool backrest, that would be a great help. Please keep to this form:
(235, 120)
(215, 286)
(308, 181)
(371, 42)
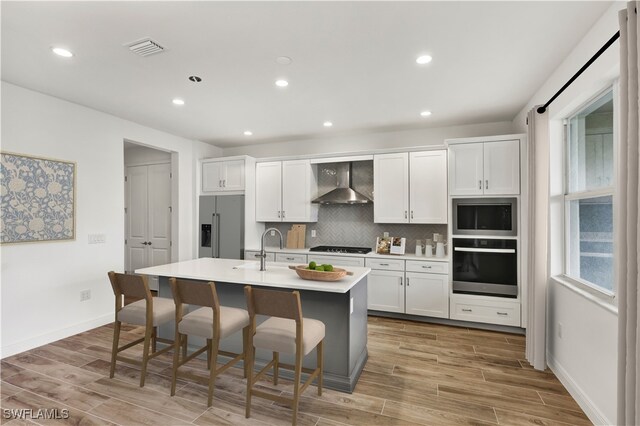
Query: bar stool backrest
(131, 286)
(273, 303)
(196, 293)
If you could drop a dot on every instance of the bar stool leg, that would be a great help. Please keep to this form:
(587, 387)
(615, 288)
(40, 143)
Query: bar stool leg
(176, 360)
(209, 353)
(213, 367)
(185, 345)
(114, 349)
(154, 340)
(145, 354)
(320, 359)
(296, 385)
(249, 354)
(276, 367)
(245, 346)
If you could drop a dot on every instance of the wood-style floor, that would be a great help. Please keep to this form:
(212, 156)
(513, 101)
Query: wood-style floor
(416, 374)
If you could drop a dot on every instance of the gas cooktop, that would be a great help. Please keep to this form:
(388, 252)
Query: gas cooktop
(341, 249)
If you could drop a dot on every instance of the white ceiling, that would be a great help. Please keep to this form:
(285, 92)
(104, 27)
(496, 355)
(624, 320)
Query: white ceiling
(353, 62)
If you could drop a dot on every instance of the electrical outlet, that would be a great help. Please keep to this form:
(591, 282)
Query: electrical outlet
(273, 233)
(560, 330)
(313, 233)
(97, 238)
(85, 295)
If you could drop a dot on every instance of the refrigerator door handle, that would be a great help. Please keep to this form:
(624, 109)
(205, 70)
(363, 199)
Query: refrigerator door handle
(215, 237)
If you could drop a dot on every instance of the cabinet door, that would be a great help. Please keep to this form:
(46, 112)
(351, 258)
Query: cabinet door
(268, 192)
(427, 294)
(212, 176)
(465, 169)
(502, 168)
(385, 291)
(321, 259)
(233, 176)
(296, 191)
(391, 188)
(428, 187)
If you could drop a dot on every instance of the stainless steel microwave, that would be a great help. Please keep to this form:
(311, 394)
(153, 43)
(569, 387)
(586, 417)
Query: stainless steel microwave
(485, 216)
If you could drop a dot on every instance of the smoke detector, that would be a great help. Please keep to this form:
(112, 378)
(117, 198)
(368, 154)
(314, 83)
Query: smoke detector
(145, 47)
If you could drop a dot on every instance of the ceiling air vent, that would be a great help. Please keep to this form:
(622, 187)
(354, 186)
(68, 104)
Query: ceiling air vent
(145, 47)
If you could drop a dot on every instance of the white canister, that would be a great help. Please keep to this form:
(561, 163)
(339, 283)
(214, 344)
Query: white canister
(440, 250)
(428, 250)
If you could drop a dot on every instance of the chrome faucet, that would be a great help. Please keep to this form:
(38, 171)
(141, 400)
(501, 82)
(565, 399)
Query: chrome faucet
(263, 254)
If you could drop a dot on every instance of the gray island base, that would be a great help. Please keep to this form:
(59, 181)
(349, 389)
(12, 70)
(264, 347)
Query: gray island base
(344, 314)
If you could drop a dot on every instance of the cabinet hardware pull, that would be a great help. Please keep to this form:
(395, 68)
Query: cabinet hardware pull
(400, 281)
(467, 310)
(384, 264)
(405, 214)
(486, 184)
(411, 214)
(407, 281)
(502, 313)
(283, 214)
(426, 267)
(290, 258)
(278, 213)
(224, 183)
(480, 184)
(220, 183)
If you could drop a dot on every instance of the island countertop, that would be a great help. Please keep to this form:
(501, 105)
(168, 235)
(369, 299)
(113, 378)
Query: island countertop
(277, 275)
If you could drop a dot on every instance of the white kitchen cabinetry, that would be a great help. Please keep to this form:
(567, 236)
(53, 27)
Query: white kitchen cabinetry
(428, 187)
(325, 259)
(251, 255)
(484, 168)
(427, 294)
(410, 187)
(489, 310)
(299, 259)
(284, 190)
(222, 176)
(385, 290)
(390, 188)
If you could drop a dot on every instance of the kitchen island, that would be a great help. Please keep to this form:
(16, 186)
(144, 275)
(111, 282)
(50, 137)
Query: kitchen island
(341, 305)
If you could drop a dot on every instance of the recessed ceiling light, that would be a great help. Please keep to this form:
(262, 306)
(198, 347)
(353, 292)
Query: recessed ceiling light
(283, 60)
(177, 101)
(424, 59)
(60, 51)
(327, 124)
(248, 133)
(282, 83)
(425, 113)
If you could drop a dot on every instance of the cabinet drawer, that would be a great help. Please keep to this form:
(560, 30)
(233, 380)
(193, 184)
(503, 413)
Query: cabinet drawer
(493, 313)
(426, 266)
(336, 260)
(291, 258)
(251, 255)
(386, 264)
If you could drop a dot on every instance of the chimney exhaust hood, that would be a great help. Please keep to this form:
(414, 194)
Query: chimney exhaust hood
(344, 193)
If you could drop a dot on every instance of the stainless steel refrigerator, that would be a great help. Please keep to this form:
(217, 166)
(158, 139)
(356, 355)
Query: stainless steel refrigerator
(221, 225)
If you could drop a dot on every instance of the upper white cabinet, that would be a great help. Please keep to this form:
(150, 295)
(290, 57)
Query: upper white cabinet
(410, 187)
(221, 176)
(284, 190)
(391, 188)
(485, 168)
(428, 187)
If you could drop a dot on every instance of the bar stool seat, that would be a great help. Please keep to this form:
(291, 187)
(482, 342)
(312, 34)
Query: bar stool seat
(279, 335)
(198, 322)
(136, 313)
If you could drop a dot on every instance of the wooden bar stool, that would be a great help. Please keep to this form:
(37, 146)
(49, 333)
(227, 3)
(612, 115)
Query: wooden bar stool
(149, 312)
(212, 322)
(285, 331)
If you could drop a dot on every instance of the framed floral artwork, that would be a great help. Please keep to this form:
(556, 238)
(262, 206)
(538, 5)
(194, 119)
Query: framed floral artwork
(38, 199)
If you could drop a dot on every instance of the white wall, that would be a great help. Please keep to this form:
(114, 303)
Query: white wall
(585, 357)
(370, 141)
(136, 154)
(41, 282)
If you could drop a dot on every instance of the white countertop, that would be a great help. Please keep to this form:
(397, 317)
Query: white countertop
(244, 272)
(371, 254)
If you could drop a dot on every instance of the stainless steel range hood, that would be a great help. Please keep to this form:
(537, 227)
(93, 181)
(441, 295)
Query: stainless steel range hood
(344, 193)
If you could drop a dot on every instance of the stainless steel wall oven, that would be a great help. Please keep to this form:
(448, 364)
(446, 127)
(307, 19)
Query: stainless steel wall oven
(485, 266)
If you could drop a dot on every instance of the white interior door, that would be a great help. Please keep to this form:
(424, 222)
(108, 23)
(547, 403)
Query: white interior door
(159, 214)
(148, 216)
(136, 217)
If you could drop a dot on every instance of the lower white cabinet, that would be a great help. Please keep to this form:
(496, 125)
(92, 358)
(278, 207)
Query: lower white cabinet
(427, 294)
(321, 259)
(489, 310)
(291, 258)
(251, 255)
(385, 290)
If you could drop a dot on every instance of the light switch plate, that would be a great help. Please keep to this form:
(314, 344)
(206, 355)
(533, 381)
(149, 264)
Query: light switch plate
(97, 238)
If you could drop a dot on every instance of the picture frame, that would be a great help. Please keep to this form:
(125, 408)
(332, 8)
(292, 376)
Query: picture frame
(383, 245)
(398, 245)
(38, 199)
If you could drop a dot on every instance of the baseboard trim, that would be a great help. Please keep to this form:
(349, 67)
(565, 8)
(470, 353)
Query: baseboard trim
(52, 336)
(587, 405)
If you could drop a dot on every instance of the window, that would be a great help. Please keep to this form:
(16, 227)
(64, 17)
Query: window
(589, 195)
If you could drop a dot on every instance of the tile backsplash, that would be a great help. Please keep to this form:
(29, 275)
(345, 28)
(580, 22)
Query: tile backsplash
(352, 225)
